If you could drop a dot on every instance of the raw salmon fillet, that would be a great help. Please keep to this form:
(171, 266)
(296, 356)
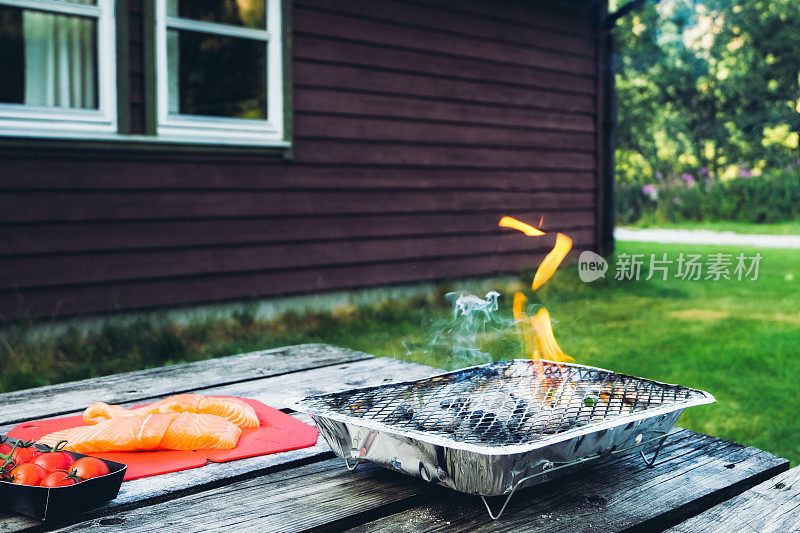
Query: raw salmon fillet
(236, 411)
(155, 431)
(193, 431)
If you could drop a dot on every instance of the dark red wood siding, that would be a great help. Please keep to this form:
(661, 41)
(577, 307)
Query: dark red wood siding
(418, 124)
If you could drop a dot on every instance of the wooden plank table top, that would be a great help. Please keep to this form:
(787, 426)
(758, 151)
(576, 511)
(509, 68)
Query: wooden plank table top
(310, 489)
(771, 507)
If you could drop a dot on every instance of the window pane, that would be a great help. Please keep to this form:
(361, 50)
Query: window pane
(47, 59)
(248, 13)
(215, 75)
(12, 56)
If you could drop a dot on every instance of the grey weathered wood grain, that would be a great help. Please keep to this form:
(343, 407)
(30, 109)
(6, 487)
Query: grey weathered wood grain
(159, 488)
(275, 390)
(692, 474)
(608, 496)
(272, 391)
(307, 497)
(366, 373)
(55, 400)
(771, 507)
(306, 489)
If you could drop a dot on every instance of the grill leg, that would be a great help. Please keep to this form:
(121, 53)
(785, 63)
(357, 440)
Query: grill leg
(651, 462)
(503, 508)
(353, 467)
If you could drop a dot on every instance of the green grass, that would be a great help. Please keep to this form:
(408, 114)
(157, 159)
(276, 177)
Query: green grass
(777, 228)
(739, 340)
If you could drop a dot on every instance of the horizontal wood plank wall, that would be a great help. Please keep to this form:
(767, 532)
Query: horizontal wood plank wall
(418, 124)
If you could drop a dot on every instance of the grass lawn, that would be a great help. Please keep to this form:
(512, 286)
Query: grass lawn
(777, 228)
(739, 340)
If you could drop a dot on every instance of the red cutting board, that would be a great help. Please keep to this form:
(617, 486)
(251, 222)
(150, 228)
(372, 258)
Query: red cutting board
(279, 432)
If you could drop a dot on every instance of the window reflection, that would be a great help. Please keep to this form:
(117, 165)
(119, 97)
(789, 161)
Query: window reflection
(247, 13)
(216, 75)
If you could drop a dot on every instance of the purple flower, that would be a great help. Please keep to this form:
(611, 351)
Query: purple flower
(704, 171)
(676, 201)
(659, 175)
(688, 178)
(649, 189)
(745, 173)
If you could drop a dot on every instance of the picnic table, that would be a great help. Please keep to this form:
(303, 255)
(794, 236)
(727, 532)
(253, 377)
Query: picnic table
(698, 482)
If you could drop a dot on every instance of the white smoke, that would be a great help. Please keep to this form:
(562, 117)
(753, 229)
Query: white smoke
(460, 338)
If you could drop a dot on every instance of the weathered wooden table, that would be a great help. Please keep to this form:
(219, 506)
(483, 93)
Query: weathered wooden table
(694, 483)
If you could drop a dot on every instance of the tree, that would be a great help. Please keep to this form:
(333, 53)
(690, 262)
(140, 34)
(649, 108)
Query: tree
(709, 87)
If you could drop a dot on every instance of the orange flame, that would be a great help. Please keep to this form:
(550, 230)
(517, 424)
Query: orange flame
(552, 260)
(546, 343)
(522, 321)
(536, 333)
(527, 229)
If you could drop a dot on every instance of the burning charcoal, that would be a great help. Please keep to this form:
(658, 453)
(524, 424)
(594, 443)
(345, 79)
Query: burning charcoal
(402, 413)
(464, 376)
(362, 404)
(491, 429)
(446, 417)
(436, 419)
(503, 436)
(553, 419)
(475, 416)
(338, 401)
(476, 374)
(495, 433)
(459, 402)
(481, 417)
(516, 419)
(629, 398)
(488, 372)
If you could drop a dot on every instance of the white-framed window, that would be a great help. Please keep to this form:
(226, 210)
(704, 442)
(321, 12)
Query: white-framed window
(219, 72)
(57, 68)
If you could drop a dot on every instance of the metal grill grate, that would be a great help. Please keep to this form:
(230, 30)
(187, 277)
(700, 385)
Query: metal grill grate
(504, 403)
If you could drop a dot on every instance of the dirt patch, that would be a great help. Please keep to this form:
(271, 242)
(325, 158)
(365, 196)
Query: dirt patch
(789, 318)
(700, 314)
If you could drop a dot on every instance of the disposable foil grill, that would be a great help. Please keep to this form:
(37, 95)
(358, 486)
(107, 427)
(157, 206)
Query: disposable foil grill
(493, 429)
(504, 404)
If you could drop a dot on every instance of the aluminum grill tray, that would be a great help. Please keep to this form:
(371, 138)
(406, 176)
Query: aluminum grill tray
(492, 429)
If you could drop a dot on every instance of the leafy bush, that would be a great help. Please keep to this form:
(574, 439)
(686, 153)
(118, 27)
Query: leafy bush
(772, 197)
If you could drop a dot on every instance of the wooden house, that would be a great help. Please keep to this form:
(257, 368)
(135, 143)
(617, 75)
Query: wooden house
(163, 152)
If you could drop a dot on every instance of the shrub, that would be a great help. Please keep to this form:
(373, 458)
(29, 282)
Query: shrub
(772, 197)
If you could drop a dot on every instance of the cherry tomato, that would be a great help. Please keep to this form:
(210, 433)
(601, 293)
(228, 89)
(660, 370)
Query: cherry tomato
(57, 479)
(28, 474)
(53, 461)
(5, 449)
(24, 455)
(89, 467)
